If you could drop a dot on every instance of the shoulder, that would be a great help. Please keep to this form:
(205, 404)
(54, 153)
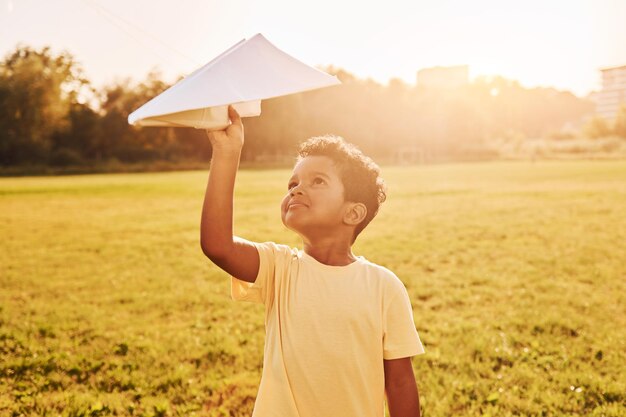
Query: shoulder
(390, 282)
(384, 272)
(275, 250)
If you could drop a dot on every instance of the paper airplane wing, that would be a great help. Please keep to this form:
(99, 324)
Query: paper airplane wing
(248, 72)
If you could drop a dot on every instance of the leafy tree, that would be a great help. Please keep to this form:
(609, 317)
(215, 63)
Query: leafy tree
(128, 143)
(597, 127)
(37, 89)
(620, 122)
(77, 142)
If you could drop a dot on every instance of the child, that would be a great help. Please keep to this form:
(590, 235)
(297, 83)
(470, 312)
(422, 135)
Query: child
(339, 330)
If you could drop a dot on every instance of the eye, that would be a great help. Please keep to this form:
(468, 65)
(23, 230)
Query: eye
(319, 180)
(291, 185)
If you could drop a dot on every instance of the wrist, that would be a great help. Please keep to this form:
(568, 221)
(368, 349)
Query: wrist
(226, 152)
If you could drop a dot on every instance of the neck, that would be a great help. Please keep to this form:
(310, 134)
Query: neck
(334, 252)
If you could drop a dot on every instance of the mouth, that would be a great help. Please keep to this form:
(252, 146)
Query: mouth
(296, 205)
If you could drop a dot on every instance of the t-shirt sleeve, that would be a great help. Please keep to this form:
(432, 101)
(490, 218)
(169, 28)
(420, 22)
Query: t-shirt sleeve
(400, 337)
(273, 260)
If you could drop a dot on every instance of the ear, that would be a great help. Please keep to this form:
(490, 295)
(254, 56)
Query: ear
(355, 213)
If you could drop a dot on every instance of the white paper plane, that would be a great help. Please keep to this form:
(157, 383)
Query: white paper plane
(248, 72)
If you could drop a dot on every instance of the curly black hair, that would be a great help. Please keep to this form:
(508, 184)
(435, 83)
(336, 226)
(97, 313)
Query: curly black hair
(359, 173)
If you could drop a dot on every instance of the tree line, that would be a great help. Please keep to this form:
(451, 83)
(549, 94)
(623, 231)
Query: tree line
(52, 115)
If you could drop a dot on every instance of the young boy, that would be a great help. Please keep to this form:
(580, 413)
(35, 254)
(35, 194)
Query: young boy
(339, 331)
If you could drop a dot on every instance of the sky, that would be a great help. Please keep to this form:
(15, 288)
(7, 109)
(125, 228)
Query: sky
(548, 43)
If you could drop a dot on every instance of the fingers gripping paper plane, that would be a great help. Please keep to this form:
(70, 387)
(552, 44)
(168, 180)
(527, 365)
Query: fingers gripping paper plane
(243, 75)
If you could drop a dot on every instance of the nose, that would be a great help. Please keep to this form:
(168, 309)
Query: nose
(295, 190)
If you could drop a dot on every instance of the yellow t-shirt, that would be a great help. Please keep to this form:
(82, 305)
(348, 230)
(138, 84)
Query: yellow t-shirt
(327, 331)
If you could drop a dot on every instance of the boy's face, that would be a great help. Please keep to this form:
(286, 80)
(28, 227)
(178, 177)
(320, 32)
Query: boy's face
(314, 203)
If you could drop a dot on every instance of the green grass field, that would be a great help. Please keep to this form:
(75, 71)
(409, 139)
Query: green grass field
(516, 272)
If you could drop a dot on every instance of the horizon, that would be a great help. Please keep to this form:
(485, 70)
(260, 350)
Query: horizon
(564, 48)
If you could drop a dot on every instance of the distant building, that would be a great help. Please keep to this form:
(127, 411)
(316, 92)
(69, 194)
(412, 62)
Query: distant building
(443, 77)
(613, 93)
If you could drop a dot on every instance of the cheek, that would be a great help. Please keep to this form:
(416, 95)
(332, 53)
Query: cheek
(283, 210)
(283, 204)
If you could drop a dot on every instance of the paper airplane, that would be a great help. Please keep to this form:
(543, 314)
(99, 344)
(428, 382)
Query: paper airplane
(248, 72)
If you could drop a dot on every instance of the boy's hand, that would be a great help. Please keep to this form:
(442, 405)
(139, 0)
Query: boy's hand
(231, 138)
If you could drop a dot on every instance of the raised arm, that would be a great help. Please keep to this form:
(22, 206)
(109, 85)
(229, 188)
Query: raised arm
(235, 255)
